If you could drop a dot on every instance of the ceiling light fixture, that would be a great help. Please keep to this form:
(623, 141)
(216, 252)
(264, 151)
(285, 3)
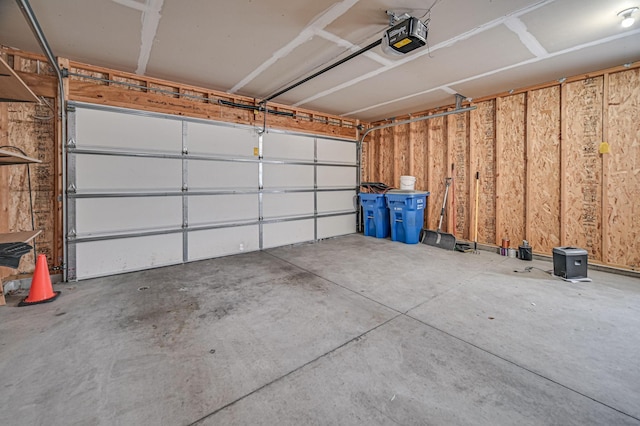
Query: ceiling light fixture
(627, 19)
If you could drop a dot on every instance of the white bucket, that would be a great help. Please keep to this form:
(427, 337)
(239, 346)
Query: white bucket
(408, 182)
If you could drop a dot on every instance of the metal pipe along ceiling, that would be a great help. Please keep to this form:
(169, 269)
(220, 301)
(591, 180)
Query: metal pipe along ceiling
(413, 120)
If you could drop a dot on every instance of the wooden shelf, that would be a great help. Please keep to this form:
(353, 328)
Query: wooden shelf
(19, 237)
(8, 158)
(12, 88)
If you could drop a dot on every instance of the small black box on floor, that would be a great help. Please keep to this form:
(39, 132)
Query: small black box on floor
(525, 252)
(569, 262)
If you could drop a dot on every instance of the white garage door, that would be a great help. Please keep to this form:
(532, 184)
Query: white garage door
(147, 190)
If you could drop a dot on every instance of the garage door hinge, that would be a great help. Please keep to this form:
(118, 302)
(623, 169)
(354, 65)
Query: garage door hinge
(71, 235)
(185, 188)
(72, 189)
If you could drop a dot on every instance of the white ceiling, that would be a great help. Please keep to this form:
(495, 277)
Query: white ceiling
(255, 47)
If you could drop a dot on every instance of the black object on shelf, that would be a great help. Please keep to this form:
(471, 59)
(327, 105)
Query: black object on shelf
(10, 253)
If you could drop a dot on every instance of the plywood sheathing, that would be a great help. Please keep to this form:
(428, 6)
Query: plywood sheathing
(623, 180)
(386, 165)
(543, 169)
(542, 177)
(582, 134)
(482, 153)
(419, 157)
(438, 169)
(510, 168)
(364, 161)
(458, 137)
(30, 127)
(402, 137)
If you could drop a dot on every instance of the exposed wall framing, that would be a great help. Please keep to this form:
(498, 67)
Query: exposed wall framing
(543, 161)
(31, 128)
(437, 169)
(582, 170)
(622, 179)
(543, 176)
(510, 168)
(104, 86)
(482, 151)
(458, 139)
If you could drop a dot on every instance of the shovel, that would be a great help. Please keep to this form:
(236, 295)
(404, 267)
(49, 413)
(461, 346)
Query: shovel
(438, 238)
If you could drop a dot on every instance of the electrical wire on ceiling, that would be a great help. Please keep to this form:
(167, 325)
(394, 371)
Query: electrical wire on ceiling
(428, 12)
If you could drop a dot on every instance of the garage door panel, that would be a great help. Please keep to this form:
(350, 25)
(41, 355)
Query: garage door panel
(288, 204)
(331, 150)
(97, 128)
(209, 139)
(336, 225)
(332, 176)
(204, 209)
(222, 242)
(99, 215)
(336, 201)
(125, 185)
(284, 233)
(288, 176)
(111, 173)
(109, 257)
(222, 174)
(293, 147)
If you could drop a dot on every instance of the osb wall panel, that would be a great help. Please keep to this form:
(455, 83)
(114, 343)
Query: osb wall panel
(483, 159)
(543, 169)
(419, 135)
(538, 150)
(373, 146)
(438, 169)
(364, 161)
(386, 160)
(403, 153)
(623, 179)
(458, 135)
(31, 128)
(511, 168)
(582, 134)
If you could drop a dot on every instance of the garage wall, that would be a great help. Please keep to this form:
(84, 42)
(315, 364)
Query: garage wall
(545, 174)
(148, 190)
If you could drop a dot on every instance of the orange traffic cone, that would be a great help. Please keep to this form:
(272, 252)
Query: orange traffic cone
(41, 290)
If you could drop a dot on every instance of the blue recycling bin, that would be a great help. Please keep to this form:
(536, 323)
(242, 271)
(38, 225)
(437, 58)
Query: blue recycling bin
(406, 210)
(375, 215)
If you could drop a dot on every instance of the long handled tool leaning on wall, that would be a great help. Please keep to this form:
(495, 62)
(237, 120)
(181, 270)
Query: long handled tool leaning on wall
(438, 238)
(475, 234)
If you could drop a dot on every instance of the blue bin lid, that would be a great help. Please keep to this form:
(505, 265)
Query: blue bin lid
(369, 196)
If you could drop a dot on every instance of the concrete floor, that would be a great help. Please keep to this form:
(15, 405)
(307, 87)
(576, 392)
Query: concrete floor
(349, 331)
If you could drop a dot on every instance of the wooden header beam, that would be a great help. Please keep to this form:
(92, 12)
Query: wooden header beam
(12, 88)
